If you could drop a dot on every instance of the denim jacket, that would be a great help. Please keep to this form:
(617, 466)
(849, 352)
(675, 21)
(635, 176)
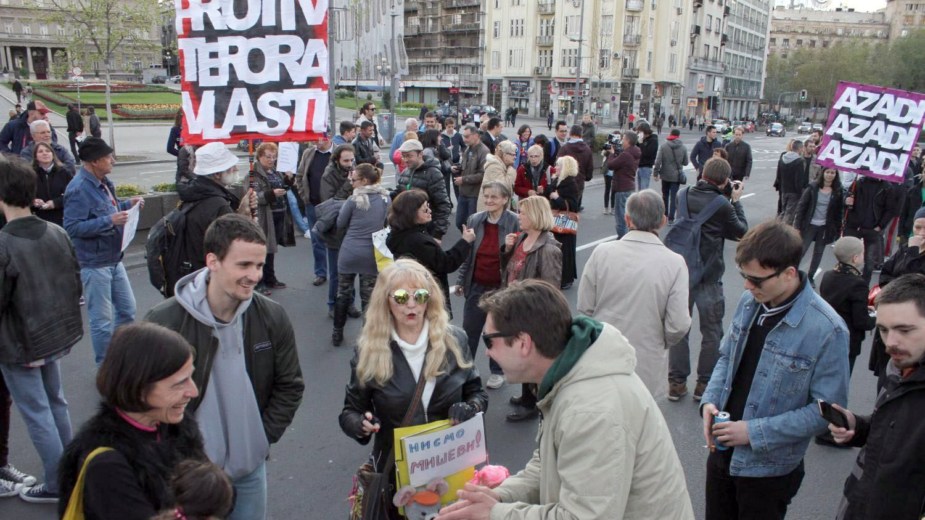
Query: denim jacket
(805, 358)
(88, 214)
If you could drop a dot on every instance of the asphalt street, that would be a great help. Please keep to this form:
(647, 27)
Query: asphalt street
(311, 467)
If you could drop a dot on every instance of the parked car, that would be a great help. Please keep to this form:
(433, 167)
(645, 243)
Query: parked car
(818, 126)
(174, 79)
(805, 127)
(484, 109)
(445, 111)
(721, 125)
(160, 80)
(777, 130)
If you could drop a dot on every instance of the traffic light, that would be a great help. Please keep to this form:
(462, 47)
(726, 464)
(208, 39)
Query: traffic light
(803, 95)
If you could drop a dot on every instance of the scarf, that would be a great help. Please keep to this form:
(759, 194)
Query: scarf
(847, 269)
(361, 195)
(536, 174)
(584, 332)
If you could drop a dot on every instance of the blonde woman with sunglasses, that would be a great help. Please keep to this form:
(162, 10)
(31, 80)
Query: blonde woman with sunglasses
(407, 335)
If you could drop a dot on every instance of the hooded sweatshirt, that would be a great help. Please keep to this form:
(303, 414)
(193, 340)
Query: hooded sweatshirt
(228, 415)
(792, 173)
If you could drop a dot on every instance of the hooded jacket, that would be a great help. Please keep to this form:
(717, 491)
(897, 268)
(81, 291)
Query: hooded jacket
(428, 177)
(212, 201)
(670, 161)
(728, 223)
(792, 174)
(270, 355)
(632, 473)
(334, 183)
(496, 171)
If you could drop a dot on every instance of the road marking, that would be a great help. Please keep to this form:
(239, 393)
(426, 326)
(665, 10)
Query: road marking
(747, 195)
(596, 243)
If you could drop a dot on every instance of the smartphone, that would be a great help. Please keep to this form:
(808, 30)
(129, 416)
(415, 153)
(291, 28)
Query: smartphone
(832, 415)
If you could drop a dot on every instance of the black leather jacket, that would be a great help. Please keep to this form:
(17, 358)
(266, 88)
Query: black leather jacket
(39, 291)
(728, 223)
(390, 402)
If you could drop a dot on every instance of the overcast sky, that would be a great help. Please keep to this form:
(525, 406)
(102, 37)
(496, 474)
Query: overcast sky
(858, 5)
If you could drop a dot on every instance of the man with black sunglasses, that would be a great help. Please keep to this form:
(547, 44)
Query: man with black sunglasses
(786, 348)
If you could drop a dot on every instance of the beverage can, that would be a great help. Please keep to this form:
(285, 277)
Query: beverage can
(721, 417)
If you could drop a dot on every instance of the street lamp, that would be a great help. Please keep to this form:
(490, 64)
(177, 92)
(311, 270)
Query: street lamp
(384, 71)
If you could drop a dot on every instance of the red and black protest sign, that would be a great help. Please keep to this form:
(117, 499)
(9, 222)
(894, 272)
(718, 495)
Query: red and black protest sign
(253, 69)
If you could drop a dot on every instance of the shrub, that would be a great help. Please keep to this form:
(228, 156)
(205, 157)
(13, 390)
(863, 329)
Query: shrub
(599, 141)
(129, 190)
(164, 187)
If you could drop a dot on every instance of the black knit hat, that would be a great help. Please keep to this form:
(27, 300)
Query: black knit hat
(92, 148)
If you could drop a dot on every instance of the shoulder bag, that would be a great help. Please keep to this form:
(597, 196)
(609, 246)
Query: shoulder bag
(371, 496)
(565, 222)
(75, 505)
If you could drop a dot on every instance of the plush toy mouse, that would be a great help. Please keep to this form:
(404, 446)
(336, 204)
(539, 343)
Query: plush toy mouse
(421, 505)
(490, 476)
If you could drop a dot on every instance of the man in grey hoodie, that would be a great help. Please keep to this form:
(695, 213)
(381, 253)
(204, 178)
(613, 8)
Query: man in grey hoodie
(792, 179)
(247, 365)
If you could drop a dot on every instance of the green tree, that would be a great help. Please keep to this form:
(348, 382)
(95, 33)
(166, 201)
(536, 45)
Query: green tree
(99, 28)
(59, 64)
(905, 64)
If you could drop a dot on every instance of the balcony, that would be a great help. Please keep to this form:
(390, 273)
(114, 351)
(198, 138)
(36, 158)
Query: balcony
(724, 40)
(411, 30)
(463, 3)
(632, 40)
(546, 6)
(727, 11)
(630, 73)
(410, 5)
(462, 27)
(695, 30)
(544, 41)
(635, 5)
(542, 71)
(708, 65)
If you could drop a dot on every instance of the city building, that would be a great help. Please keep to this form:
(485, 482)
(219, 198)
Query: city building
(33, 47)
(793, 29)
(706, 70)
(905, 16)
(744, 43)
(607, 57)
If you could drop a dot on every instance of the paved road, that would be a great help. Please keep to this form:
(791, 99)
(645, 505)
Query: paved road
(311, 466)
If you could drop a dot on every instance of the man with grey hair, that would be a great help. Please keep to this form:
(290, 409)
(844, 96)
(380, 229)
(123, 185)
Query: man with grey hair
(640, 287)
(41, 133)
(411, 125)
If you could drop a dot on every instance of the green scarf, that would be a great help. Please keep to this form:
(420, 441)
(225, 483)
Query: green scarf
(585, 331)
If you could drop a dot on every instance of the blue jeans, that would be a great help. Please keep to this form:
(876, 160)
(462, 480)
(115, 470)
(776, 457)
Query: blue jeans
(643, 175)
(251, 495)
(670, 197)
(40, 399)
(466, 206)
(711, 306)
(318, 249)
(297, 218)
(619, 208)
(474, 322)
(110, 303)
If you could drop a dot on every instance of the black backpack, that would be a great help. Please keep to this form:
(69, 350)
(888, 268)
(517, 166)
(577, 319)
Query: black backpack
(165, 250)
(683, 236)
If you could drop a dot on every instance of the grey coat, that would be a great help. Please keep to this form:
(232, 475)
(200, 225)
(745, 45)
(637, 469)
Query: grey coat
(670, 160)
(334, 183)
(356, 251)
(508, 223)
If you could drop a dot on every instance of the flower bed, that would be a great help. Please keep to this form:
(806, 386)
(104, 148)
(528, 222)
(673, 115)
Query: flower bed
(147, 111)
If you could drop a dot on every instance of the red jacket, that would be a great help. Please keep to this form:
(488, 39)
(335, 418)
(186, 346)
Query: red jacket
(523, 184)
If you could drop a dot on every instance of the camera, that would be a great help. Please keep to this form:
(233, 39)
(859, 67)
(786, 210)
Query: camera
(614, 143)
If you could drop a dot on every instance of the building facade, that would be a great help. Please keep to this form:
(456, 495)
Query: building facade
(905, 16)
(793, 29)
(606, 57)
(745, 47)
(33, 47)
(706, 70)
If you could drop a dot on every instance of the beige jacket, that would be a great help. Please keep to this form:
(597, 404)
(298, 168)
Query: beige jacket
(495, 170)
(605, 452)
(640, 287)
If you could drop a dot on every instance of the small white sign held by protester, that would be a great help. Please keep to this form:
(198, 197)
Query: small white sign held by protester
(442, 453)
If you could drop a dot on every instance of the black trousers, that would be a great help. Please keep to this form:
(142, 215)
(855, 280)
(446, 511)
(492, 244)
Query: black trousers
(747, 498)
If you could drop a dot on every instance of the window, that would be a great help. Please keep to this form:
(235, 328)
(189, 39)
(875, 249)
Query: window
(43, 30)
(709, 25)
(799, 43)
(649, 62)
(547, 27)
(604, 59)
(496, 59)
(517, 28)
(632, 25)
(496, 31)
(629, 59)
(61, 30)
(706, 51)
(572, 27)
(607, 25)
(651, 27)
(569, 57)
(544, 59)
(26, 28)
(673, 63)
(717, 24)
(773, 42)
(653, 5)
(675, 29)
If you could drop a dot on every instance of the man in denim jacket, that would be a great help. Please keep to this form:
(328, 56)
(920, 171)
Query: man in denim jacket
(786, 348)
(94, 219)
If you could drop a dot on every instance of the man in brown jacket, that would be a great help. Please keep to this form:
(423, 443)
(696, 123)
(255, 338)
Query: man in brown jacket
(468, 175)
(624, 167)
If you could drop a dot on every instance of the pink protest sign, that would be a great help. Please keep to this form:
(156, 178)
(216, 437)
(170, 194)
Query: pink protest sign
(871, 130)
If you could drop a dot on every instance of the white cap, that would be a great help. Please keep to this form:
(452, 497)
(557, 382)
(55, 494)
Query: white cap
(213, 158)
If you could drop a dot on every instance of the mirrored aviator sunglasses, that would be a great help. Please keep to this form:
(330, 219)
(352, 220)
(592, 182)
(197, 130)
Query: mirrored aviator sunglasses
(402, 296)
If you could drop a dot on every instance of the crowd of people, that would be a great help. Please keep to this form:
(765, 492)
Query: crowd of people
(178, 435)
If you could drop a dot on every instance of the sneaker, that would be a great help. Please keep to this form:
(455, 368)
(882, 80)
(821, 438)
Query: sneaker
(319, 280)
(353, 312)
(38, 495)
(699, 390)
(676, 390)
(11, 474)
(495, 381)
(524, 414)
(9, 489)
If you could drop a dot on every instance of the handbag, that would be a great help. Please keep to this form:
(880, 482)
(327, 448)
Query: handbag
(565, 222)
(682, 177)
(384, 256)
(371, 495)
(75, 504)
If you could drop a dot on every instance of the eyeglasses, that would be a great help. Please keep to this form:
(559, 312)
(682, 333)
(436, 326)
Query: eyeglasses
(372, 108)
(512, 154)
(758, 280)
(488, 337)
(402, 296)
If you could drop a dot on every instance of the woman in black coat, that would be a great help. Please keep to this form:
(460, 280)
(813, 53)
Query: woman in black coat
(819, 216)
(51, 180)
(563, 195)
(408, 218)
(142, 419)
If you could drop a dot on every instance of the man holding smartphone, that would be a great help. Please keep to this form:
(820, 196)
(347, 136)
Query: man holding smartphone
(785, 349)
(887, 480)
